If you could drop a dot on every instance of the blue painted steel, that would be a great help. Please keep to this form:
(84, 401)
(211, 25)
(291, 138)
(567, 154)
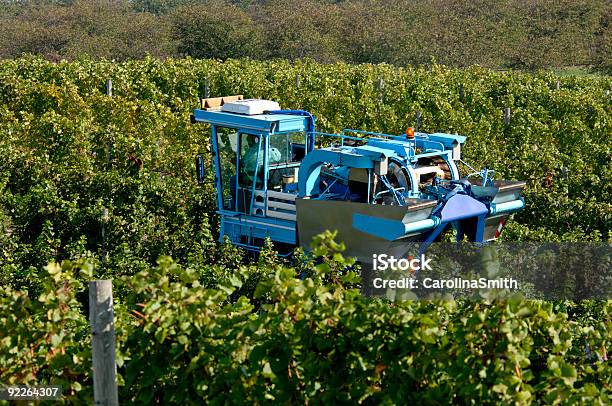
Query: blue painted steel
(452, 166)
(347, 156)
(399, 148)
(432, 236)
(217, 170)
(461, 206)
(259, 122)
(237, 227)
(391, 229)
(421, 225)
(262, 125)
(447, 140)
(254, 175)
(430, 146)
(480, 226)
(507, 207)
(421, 140)
(373, 151)
(391, 189)
(329, 187)
(430, 153)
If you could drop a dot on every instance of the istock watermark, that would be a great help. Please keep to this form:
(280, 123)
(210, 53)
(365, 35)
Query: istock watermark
(454, 283)
(383, 262)
(549, 271)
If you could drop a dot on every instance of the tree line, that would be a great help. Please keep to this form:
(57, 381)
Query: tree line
(519, 34)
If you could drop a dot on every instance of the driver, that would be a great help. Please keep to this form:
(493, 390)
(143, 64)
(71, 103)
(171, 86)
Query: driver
(250, 159)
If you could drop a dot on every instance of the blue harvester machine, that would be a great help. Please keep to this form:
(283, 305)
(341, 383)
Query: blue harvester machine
(277, 177)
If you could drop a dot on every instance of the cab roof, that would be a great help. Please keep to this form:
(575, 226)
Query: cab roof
(262, 122)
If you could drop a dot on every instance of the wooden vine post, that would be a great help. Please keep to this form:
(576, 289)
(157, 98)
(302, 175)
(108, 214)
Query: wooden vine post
(101, 320)
(109, 93)
(507, 115)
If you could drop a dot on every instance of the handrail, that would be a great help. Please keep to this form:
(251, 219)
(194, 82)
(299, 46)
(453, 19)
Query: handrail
(349, 130)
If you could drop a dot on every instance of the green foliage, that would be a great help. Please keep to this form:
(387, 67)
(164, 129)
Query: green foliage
(317, 342)
(303, 341)
(44, 339)
(68, 152)
(334, 268)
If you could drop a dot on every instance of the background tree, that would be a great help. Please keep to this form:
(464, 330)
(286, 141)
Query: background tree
(215, 29)
(96, 28)
(603, 44)
(521, 34)
(304, 29)
(555, 33)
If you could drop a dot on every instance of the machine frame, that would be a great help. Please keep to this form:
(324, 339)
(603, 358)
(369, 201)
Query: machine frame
(274, 213)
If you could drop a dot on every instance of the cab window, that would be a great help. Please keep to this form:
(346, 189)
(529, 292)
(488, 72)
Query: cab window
(251, 160)
(285, 153)
(227, 141)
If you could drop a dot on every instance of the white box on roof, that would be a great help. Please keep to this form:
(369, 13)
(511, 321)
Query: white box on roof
(250, 106)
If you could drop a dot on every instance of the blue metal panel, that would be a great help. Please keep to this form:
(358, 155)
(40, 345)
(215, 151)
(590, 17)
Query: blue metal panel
(507, 207)
(422, 139)
(429, 145)
(257, 227)
(460, 207)
(391, 229)
(480, 226)
(261, 122)
(373, 151)
(401, 149)
(447, 139)
(217, 171)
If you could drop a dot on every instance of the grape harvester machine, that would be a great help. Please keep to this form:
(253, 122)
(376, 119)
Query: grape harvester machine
(277, 177)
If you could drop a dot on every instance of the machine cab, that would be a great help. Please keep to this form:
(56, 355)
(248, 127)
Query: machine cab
(257, 150)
